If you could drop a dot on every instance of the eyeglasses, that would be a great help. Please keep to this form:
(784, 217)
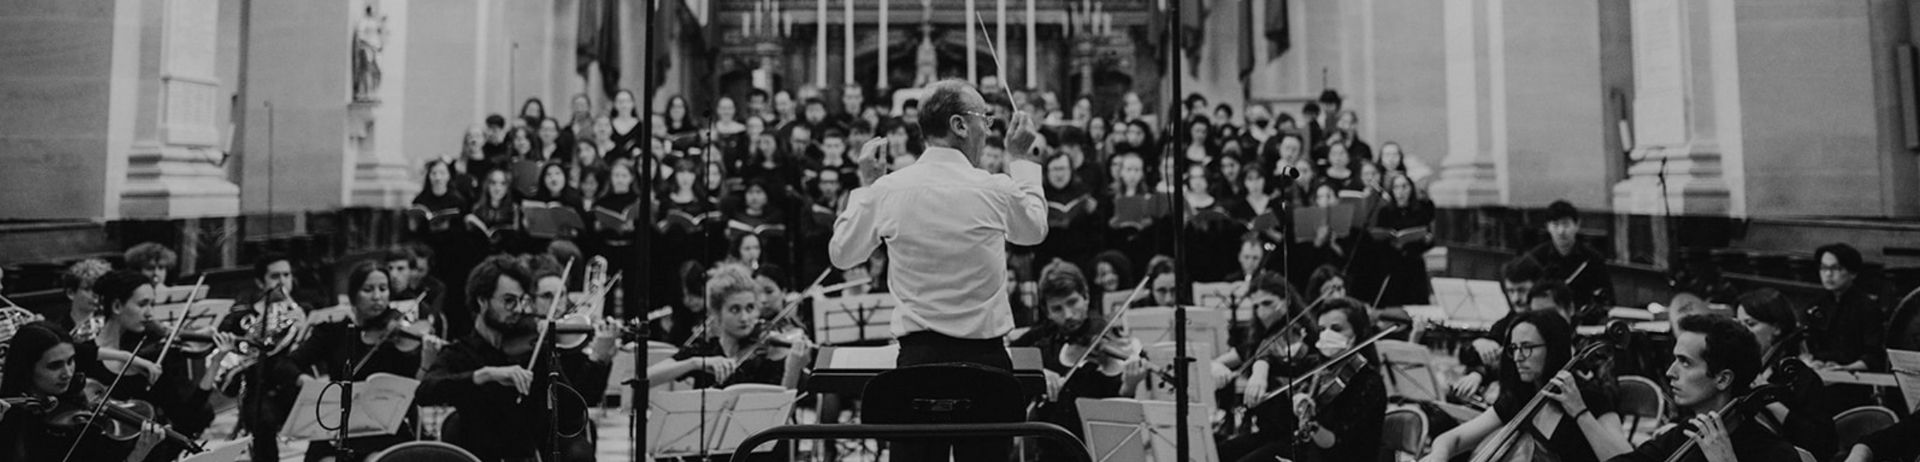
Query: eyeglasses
(1520, 352)
(514, 302)
(993, 123)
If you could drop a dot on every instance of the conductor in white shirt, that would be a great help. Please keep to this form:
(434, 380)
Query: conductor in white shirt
(946, 224)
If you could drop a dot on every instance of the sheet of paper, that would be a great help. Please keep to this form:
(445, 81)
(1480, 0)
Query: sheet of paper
(379, 405)
(1906, 372)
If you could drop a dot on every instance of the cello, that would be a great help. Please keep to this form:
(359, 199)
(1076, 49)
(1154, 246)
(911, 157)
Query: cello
(1512, 441)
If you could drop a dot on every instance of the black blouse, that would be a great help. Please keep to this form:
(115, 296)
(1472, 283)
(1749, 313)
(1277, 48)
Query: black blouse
(1568, 441)
(755, 369)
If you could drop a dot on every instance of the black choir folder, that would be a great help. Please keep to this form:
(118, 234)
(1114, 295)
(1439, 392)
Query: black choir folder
(436, 220)
(1062, 214)
(608, 220)
(687, 222)
(1307, 221)
(551, 220)
(1136, 211)
(380, 404)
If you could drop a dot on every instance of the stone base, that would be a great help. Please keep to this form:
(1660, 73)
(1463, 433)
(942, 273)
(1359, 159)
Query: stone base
(1466, 184)
(382, 185)
(1673, 181)
(177, 182)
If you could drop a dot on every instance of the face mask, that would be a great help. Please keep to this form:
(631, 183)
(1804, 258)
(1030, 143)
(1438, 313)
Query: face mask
(1332, 343)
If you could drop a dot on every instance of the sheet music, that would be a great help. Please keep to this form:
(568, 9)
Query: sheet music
(1906, 372)
(380, 404)
(228, 451)
(880, 357)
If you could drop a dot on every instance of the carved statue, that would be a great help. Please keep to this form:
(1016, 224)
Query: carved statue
(926, 62)
(369, 38)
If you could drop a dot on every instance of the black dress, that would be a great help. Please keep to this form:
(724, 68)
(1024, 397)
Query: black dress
(1407, 265)
(1568, 442)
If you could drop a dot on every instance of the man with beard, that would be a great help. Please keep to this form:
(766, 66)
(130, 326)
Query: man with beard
(483, 376)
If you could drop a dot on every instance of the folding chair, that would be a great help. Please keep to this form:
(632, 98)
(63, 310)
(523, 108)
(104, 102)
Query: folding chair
(1639, 398)
(1856, 423)
(1403, 432)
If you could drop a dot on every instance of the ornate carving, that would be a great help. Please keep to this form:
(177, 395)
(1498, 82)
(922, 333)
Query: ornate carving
(369, 38)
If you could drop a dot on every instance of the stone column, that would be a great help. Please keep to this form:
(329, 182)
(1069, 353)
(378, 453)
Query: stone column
(1682, 63)
(298, 89)
(73, 80)
(175, 168)
(1475, 66)
(376, 122)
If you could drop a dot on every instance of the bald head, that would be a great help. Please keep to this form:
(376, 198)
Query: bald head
(952, 116)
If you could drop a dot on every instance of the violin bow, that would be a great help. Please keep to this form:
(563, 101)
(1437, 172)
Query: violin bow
(1116, 315)
(180, 322)
(1310, 374)
(10, 303)
(105, 397)
(789, 307)
(552, 308)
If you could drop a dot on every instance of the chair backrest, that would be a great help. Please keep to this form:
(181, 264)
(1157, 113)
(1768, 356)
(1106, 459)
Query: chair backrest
(943, 393)
(423, 451)
(1639, 400)
(1403, 431)
(1856, 423)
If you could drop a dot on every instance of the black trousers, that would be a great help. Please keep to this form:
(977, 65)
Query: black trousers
(927, 347)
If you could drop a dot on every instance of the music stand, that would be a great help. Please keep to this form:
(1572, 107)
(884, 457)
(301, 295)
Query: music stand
(1223, 296)
(228, 451)
(1204, 327)
(677, 422)
(1128, 430)
(753, 410)
(1409, 371)
(853, 319)
(1116, 429)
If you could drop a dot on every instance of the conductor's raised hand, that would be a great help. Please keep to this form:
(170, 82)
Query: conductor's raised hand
(1021, 135)
(870, 166)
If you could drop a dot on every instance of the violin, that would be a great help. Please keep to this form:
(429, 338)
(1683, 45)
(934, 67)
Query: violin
(1331, 375)
(118, 420)
(1110, 351)
(30, 404)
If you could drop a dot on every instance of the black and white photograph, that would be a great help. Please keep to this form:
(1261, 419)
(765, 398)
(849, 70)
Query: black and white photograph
(960, 230)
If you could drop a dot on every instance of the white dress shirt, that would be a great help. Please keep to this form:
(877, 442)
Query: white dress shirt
(946, 225)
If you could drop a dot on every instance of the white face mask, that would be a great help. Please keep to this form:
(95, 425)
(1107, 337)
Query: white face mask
(1333, 343)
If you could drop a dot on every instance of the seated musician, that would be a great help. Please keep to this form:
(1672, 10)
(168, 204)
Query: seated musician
(407, 279)
(151, 259)
(1517, 279)
(368, 342)
(1063, 337)
(1328, 426)
(81, 319)
(1845, 326)
(263, 409)
(1274, 349)
(1715, 360)
(731, 350)
(1564, 258)
(1537, 361)
(125, 297)
(40, 379)
(1772, 319)
(484, 375)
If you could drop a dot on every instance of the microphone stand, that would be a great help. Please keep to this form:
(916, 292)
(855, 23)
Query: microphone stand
(636, 414)
(1183, 283)
(345, 381)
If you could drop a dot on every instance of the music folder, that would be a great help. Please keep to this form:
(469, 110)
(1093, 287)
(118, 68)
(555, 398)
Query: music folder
(380, 404)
